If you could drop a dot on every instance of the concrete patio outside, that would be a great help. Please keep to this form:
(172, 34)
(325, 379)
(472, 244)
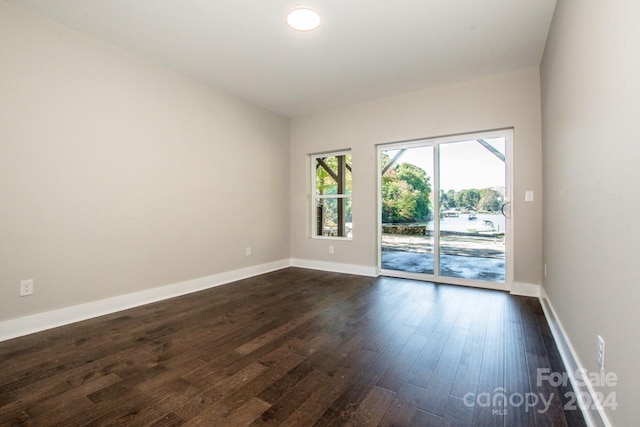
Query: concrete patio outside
(473, 257)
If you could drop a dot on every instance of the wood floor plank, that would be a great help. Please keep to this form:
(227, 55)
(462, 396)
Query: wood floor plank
(274, 333)
(245, 414)
(365, 378)
(168, 420)
(291, 401)
(426, 419)
(491, 381)
(398, 372)
(425, 363)
(420, 313)
(348, 354)
(221, 408)
(404, 406)
(211, 393)
(387, 333)
(372, 408)
(282, 386)
(516, 382)
(229, 379)
(72, 405)
(532, 338)
(294, 347)
(545, 414)
(468, 373)
(565, 392)
(316, 405)
(459, 413)
(438, 389)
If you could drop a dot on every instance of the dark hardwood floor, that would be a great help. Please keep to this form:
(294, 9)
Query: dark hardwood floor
(295, 348)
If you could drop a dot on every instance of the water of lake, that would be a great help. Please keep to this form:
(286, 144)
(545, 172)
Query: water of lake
(463, 224)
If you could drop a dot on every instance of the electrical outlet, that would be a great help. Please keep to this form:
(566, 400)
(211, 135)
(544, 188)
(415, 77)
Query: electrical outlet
(247, 251)
(26, 287)
(331, 250)
(600, 356)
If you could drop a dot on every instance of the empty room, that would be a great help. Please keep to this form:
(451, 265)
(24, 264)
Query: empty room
(233, 213)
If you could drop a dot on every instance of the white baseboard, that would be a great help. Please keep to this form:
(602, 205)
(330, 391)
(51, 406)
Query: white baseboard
(525, 289)
(52, 319)
(593, 417)
(361, 270)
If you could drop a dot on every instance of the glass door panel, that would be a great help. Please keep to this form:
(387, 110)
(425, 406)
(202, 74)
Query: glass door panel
(407, 198)
(472, 193)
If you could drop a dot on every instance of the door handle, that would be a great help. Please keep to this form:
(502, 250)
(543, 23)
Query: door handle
(502, 209)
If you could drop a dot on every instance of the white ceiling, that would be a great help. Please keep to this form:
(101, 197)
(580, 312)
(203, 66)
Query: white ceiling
(364, 49)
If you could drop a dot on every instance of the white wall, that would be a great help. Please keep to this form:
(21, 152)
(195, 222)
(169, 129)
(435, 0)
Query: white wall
(118, 175)
(511, 100)
(591, 125)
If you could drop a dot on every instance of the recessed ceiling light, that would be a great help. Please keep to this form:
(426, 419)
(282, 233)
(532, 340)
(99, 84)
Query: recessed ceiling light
(303, 19)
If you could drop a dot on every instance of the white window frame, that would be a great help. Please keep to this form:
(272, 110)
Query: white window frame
(316, 197)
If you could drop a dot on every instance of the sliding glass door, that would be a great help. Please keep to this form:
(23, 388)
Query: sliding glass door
(444, 209)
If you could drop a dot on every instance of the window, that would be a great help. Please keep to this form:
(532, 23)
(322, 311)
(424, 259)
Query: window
(331, 182)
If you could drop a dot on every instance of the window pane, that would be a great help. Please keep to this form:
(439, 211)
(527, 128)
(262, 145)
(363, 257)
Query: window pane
(333, 216)
(333, 175)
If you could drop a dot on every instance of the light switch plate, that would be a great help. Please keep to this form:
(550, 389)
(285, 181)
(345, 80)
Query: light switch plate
(528, 196)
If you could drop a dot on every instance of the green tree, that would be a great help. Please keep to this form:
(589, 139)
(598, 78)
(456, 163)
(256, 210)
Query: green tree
(490, 200)
(447, 199)
(467, 199)
(325, 184)
(406, 191)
